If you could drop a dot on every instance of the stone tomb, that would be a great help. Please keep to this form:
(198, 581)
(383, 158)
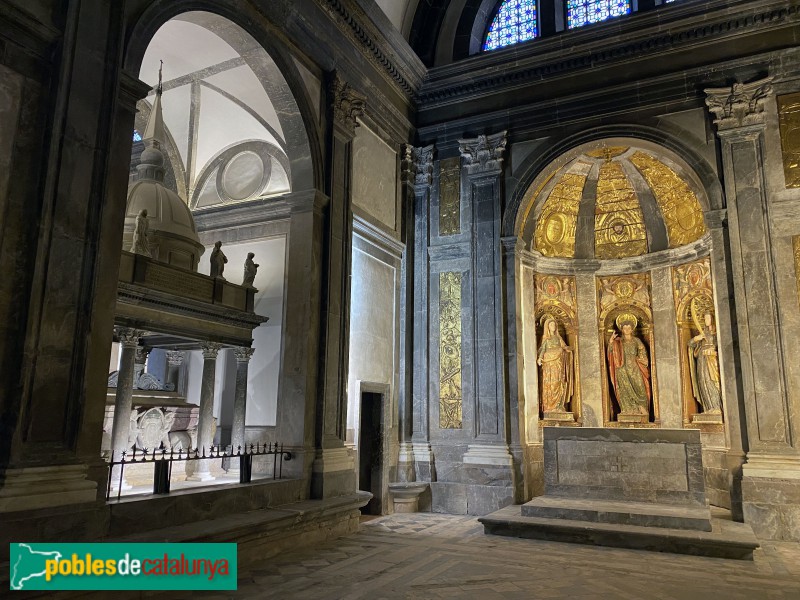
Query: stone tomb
(634, 488)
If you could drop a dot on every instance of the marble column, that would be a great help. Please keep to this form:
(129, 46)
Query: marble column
(243, 356)
(333, 468)
(174, 362)
(773, 462)
(123, 403)
(205, 422)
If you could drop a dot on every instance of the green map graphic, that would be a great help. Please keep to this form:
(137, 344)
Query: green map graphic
(29, 564)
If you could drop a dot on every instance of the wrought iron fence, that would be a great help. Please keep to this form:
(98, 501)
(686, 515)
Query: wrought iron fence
(162, 460)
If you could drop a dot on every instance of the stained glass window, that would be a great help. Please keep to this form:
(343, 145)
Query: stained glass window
(137, 137)
(515, 22)
(585, 12)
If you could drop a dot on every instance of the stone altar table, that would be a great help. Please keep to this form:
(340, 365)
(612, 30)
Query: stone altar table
(630, 488)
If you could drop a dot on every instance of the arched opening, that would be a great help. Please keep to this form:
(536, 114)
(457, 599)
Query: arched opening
(223, 153)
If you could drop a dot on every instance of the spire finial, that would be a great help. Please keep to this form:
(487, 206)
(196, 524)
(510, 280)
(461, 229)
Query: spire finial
(160, 88)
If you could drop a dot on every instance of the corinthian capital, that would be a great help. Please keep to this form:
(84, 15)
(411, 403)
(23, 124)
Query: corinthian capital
(417, 164)
(128, 337)
(740, 105)
(243, 354)
(348, 105)
(483, 153)
(210, 349)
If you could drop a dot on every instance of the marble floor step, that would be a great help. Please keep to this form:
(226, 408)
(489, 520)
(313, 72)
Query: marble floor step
(644, 514)
(727, 539)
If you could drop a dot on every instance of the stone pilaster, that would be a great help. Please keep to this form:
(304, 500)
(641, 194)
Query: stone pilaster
(418, 180)
(333, 475)
(773, 461)
(243, 356)
(205, 421)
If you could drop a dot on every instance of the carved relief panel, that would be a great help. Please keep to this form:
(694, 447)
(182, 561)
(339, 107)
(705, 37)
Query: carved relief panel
(450, 196)
(789, 117)
(697, 337)
(450, 393)
(630, 395)
(555, 308)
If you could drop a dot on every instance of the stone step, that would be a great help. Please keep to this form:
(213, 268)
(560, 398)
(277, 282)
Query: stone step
(643, 514)
(725, 540)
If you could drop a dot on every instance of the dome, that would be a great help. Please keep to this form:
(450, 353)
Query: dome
(171, 233)
(616, 202)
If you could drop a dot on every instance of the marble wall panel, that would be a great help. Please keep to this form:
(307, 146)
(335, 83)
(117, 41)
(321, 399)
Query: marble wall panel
(375, 177)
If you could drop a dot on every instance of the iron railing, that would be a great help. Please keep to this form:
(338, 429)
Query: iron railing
(162, 461)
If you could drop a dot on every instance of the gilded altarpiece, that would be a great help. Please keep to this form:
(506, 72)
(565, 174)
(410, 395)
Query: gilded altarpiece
(624, 298)
(789, 117)
(555, 299)
(694, 298)
(450, 196)
(450, 392)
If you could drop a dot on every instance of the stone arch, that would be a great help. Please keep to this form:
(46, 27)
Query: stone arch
(296, 110)
(667, 137)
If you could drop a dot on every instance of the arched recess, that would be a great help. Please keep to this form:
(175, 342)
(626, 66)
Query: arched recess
(295, 109)
(655, 284)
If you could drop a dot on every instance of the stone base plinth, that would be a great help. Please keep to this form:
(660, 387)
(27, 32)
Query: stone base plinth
(32, 488)
(621, 418)
(566, 417)
(405, 495)
(707, 418)
(726, 539)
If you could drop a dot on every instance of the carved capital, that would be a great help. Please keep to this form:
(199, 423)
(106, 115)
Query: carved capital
(128, 337)
(417, 165)
(175, 357)
(484, 153)
(740, 105)
(141, 355)
(348, 105)
(210, 349)
(243, 354)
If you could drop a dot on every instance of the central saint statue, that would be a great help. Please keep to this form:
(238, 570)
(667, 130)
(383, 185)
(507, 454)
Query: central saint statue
(629, 369)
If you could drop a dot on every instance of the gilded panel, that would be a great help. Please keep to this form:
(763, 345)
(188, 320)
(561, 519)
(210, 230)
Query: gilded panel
(619, 229)
(676, 200)
(555, 229)
(789, 117)
(608, 152)
(450, 395)
(450, 196)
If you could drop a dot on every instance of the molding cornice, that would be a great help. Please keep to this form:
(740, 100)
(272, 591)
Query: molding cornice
(358, 28)
(494, 72)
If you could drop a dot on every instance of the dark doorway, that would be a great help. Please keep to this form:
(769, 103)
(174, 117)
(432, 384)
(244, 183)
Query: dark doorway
(370, 450)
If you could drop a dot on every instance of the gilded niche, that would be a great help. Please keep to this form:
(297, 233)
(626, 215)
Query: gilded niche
(555, 308)
(555, 229)
(789, 117)
(450, 196)
(697, 334)
(450, 396)
(676, 200)
(628, 366)
(619, 229)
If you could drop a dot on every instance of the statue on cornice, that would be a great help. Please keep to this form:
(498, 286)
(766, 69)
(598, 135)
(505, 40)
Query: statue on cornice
(218, 260)
(250, 269)
(140, 245)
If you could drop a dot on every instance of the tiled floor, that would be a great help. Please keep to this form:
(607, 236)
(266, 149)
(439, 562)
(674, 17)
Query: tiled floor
(441, 556)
